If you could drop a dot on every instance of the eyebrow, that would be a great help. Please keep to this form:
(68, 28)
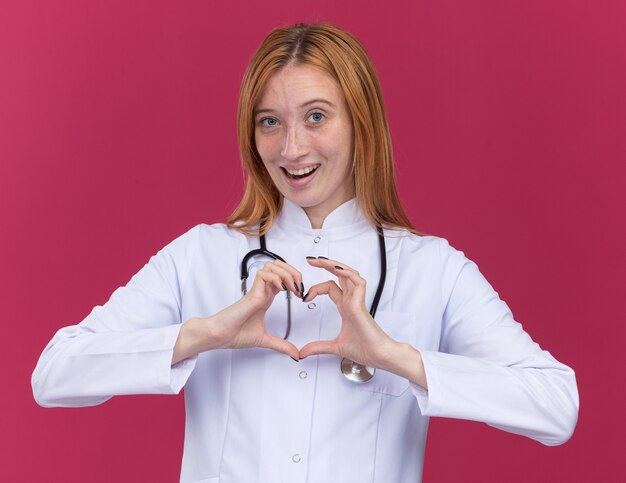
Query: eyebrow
(306, 104)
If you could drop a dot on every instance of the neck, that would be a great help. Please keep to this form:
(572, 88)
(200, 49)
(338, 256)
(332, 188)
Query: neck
(315, 217)
(317, 214)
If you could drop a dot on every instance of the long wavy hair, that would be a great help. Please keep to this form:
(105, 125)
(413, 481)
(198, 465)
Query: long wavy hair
(343, 57)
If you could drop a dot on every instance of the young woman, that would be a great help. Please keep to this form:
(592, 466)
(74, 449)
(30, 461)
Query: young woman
(351, 330)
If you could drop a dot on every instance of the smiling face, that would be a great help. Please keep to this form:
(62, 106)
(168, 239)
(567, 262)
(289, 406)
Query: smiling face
(303, 133)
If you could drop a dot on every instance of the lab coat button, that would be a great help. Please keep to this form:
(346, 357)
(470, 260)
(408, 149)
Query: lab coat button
(296, 458)
(303, 374)
(317, 239)
(311, 305)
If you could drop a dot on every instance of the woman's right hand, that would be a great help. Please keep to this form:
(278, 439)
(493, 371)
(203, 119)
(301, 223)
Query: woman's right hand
(242, 324)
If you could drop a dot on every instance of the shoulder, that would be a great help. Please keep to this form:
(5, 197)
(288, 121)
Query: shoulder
(203, 235)
(217, 232)
(434, 261)
(203, 232)
(431, 246)
(429, 253)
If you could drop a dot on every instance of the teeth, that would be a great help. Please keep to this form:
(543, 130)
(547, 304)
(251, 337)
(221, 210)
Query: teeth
(300, 172)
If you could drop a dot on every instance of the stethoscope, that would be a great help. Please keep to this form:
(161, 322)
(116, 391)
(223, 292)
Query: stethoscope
(351, 370)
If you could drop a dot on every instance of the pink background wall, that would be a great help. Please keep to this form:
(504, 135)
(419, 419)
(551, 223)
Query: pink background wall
(117, 134)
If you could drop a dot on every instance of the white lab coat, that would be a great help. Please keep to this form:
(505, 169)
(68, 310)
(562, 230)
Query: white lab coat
(255, 415)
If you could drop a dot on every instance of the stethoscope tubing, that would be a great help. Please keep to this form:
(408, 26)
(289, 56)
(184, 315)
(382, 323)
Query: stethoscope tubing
(351, 370)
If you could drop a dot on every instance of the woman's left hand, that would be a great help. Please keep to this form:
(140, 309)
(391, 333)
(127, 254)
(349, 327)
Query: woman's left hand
(360, 338)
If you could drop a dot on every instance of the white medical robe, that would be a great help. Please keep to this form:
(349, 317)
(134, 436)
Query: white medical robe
(254, 415)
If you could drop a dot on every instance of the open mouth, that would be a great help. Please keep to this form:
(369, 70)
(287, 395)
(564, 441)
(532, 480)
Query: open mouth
(300, 173)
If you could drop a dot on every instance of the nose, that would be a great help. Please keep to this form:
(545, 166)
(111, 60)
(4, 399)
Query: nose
(294, 144)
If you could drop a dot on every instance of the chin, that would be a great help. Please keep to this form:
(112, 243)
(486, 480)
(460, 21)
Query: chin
(304, 201)
(300, 202)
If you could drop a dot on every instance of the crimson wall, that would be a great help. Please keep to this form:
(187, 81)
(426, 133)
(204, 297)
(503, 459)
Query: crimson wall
(117, 134)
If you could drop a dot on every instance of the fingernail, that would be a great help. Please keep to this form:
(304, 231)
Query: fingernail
(338, 267)
(295, 360)
(304, 298)
(284, 286)
(323, 258)
(296, 287)
(309, 257)
(301, 287)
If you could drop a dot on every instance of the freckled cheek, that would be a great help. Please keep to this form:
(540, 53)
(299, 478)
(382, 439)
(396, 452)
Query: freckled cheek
(338, 145)
(266, 147)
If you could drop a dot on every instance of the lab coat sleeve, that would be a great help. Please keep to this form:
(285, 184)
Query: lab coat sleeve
(488, 368)
(126, 345)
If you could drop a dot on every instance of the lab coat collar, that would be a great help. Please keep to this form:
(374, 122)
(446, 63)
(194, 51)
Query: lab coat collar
(345, 220)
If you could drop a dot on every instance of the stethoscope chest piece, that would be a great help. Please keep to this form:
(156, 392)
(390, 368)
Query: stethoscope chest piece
(356, 372)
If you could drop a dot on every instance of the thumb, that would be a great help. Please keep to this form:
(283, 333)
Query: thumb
(319, 347)
(280, 345)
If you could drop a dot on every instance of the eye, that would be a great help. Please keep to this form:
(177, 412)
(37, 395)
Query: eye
(269, 122)
(316, 117)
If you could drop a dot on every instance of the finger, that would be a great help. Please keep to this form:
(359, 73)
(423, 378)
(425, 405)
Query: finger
(295, 274)
(351, 282)
(329, 288)
(269, 278)
(327, 263)
(344, 281)
(319, 347)
(280, 345)
(346, 273)
(337, 268)
(323, 262)
(289, 283)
